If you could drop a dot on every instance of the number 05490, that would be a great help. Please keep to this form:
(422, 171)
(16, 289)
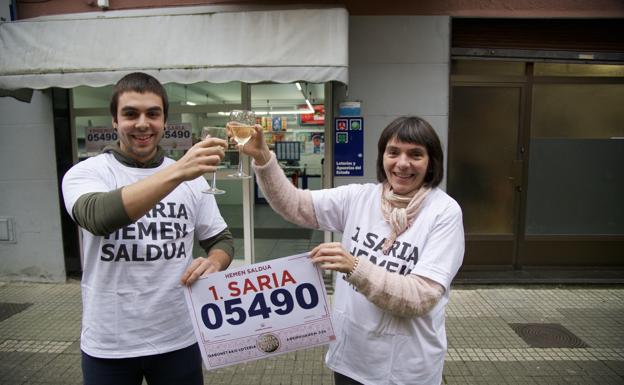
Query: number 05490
(281, 302)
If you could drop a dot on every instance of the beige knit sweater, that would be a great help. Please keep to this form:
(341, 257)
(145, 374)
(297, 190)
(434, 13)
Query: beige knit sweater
(402, 296)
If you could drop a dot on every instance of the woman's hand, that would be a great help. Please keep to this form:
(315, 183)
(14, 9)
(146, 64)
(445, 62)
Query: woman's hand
(255, 147)
(332, 256)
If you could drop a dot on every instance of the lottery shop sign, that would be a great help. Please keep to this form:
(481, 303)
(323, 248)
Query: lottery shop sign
(349, 146)
(177, 136)
(259, 310)
(96, 138)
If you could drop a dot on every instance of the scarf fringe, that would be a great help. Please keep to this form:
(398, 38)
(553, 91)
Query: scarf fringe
(400, 211)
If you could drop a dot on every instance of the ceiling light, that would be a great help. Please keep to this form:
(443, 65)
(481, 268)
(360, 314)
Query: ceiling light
(284, 112)
(309, 110)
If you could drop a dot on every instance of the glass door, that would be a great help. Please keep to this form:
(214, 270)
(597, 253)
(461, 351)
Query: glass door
(574, 211)
(485, 168)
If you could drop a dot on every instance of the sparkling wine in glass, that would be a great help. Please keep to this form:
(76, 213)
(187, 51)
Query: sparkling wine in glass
(214, 132)
(241, 125)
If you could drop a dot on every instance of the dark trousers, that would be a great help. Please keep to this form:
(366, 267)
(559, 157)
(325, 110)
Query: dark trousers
(341, 379)
(182, 366)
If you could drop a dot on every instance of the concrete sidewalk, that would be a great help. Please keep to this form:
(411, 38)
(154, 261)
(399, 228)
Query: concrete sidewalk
(570, 335)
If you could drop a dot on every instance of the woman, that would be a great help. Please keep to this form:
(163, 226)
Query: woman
(402, 244)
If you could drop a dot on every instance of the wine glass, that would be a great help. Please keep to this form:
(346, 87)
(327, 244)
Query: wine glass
(241, 125)
(214, 132)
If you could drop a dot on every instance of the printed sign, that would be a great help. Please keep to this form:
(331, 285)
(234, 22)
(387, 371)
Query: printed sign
(349, 109)
(317, 118)
(177, 136)
(259, 310)
(349, 146)
(96, 138)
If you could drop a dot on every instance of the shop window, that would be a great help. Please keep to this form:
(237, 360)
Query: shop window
(576, 154)
(577, 111)
(191, 107)
(293, 118)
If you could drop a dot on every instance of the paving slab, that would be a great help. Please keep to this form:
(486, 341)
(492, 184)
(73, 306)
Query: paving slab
(40, 331)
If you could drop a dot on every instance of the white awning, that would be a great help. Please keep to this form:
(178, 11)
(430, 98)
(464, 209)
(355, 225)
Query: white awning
(97, 49)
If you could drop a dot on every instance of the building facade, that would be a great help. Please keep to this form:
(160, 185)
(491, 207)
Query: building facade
(527, 109)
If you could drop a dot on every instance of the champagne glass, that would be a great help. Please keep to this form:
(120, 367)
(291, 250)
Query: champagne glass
(241, 125)
(214, 132)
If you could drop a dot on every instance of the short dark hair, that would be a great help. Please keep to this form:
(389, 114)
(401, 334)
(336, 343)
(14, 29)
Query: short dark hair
(412, 129)
(138, 82)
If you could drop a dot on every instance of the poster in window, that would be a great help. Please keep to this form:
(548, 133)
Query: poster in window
(315, 119)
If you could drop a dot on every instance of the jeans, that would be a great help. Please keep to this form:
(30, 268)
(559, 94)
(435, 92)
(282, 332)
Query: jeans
(341, 379)
(182, 366)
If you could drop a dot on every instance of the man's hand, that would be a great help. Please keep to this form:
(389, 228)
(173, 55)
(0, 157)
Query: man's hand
(332, 256)
(200, 267)
(202, 158)
(216, 260)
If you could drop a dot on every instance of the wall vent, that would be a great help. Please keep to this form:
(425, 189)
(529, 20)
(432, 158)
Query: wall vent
(7, 230)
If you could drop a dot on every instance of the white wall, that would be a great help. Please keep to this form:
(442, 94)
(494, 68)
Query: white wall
(398, 65)
(29, 191)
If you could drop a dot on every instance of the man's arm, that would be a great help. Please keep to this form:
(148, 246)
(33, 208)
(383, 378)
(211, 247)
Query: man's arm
(101, 213)
(222, 241)
(138, 198)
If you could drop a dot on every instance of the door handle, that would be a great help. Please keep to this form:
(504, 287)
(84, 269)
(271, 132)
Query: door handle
(516, 174)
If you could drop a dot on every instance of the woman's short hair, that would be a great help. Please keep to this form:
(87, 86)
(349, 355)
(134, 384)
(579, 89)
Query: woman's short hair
(138, 82)
(412, 129)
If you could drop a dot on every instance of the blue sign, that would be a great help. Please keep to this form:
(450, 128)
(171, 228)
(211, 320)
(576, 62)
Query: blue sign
(349, 146)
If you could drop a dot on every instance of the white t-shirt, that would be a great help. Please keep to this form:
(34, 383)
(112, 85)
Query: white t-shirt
(133, 303)
(372, 346)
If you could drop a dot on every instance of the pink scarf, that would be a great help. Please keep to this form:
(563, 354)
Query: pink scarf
(400, 211)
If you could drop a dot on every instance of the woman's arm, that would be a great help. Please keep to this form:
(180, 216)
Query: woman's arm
(291, 203)
(402, 296)
(399, 295)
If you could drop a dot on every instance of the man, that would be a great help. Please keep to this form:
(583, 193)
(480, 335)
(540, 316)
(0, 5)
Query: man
(138, 212)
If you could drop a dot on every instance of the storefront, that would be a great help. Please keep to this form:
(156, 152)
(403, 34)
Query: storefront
(279, 63)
